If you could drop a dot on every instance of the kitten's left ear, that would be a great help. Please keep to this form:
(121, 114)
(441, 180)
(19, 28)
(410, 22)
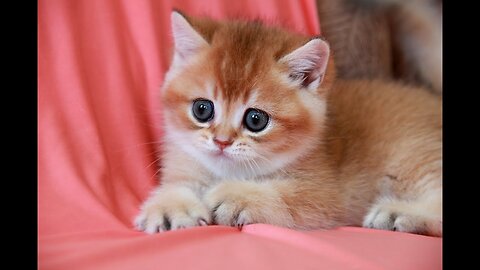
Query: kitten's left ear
(308, 63)
(186, 39)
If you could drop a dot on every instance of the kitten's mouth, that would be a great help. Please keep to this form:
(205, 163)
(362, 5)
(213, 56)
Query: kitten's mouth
(221, 154)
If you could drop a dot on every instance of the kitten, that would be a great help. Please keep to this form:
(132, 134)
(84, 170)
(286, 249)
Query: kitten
(257, 130)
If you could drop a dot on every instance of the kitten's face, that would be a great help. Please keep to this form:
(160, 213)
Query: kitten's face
(234, 107)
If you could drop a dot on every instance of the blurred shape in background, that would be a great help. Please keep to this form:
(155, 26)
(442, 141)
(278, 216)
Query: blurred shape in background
(388, 39)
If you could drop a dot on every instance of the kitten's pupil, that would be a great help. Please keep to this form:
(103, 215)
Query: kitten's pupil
(203, 110)
(255, 120)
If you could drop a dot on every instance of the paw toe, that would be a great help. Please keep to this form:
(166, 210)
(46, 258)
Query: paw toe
(140, 223)
(407, 224)
(182, 222)
(242, 219)
(382, 219)
(153, 227)
(222, 214)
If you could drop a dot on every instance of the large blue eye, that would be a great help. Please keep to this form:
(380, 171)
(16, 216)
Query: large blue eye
(203, 110)
(255, 120)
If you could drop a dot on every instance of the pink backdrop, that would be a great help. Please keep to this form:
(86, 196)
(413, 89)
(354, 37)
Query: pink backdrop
(100, 66)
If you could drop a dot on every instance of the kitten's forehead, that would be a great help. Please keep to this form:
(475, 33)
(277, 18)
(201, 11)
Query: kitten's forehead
(235, 75)
(240, 59)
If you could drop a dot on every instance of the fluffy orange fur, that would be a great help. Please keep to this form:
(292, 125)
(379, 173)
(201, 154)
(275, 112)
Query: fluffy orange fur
(333, 154)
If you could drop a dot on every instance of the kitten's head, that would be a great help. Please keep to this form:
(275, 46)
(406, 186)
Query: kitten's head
(244, 99)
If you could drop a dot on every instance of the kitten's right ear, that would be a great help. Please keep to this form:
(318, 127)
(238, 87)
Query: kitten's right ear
(186, 40)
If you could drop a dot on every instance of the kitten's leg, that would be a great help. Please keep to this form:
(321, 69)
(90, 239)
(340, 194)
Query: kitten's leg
(172, 207)
(420, 214)
(285, 203)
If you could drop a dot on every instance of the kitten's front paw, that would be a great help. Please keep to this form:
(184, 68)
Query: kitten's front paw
(172, 209)
(238, 203)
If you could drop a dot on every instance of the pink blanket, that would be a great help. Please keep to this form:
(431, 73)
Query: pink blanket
(100, 66)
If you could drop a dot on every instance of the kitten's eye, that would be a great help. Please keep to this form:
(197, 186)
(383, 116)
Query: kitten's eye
(255, 120)
(203, 110)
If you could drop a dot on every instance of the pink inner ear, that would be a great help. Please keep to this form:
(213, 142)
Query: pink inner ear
(187, 40)
(309, 62)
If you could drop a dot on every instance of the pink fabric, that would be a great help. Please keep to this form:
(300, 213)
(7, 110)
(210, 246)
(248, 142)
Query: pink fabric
(100, 66)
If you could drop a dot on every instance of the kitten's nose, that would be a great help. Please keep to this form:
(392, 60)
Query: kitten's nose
(222, 143)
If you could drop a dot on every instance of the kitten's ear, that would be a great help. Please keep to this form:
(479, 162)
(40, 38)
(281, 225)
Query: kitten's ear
(308, 63)
(186, 40)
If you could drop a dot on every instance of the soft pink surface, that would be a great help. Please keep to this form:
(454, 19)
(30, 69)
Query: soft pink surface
(100, 66)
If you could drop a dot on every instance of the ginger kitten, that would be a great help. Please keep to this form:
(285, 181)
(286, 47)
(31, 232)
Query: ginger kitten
(258, 131)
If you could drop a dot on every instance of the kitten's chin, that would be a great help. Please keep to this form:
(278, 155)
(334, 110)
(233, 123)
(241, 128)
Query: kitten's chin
(230, 166)
(227, 167)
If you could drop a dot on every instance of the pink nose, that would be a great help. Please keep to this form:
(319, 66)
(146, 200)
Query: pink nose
(222, 144)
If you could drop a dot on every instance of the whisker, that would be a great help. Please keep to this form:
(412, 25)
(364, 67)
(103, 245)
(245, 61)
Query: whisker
(155, 161)
(127, 148)
(256, 165)
(244, 162)
(251, 167)
(270, 162)
(155, 174)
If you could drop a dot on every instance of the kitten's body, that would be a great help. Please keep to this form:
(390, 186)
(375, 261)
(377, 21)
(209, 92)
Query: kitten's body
(334, 152)
(386, 143)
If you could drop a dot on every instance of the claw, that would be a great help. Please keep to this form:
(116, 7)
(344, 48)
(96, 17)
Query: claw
(167, 223)
(202, 222)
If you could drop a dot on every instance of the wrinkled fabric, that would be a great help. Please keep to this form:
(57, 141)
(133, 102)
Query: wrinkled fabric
(100, 67)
